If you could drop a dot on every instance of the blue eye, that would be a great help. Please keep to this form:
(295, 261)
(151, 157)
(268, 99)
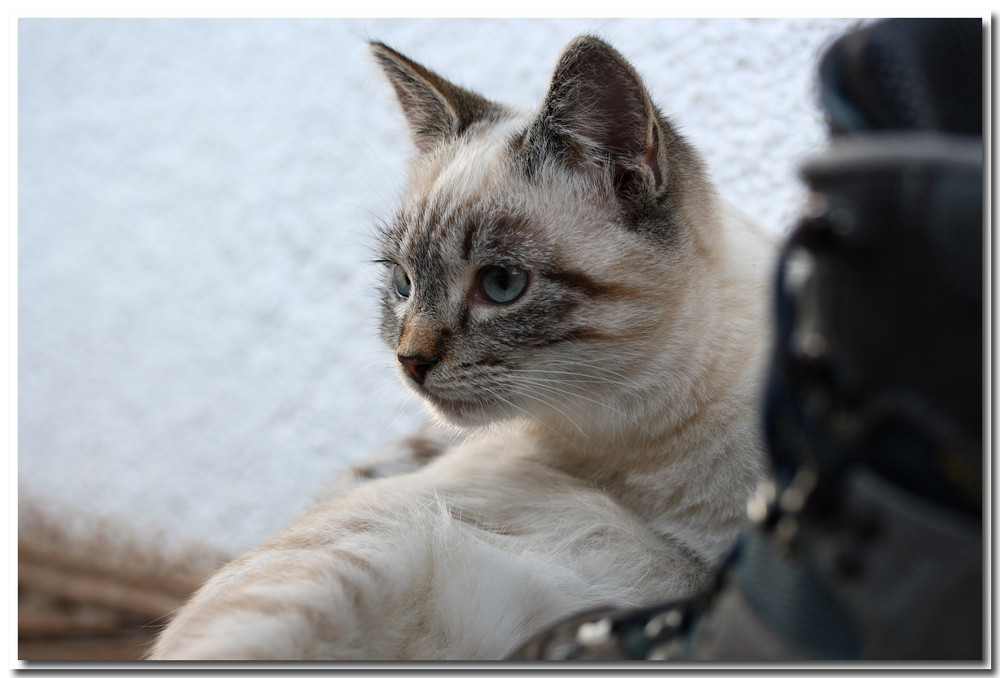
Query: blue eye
(401, 282)
(502, 285)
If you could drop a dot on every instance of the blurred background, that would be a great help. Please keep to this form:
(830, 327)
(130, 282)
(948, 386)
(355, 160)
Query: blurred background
(197, 349)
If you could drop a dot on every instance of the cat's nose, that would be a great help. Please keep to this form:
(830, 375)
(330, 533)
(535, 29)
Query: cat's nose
(417, 366)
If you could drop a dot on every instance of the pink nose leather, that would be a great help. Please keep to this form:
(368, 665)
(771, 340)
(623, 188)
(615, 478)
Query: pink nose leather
(417, 366)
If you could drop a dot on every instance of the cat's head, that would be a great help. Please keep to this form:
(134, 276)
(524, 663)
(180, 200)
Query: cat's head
(534, 265)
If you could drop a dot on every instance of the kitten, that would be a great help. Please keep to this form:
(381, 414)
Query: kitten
(566, 287)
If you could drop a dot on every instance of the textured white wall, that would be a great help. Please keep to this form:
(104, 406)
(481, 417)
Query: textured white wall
(197, 349)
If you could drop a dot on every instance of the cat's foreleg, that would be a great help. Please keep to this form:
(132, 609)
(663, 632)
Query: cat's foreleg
(394, 576)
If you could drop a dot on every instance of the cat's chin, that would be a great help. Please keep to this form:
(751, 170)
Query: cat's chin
(462, 413)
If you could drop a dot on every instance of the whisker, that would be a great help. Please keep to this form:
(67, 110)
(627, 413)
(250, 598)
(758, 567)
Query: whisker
(578, 396)
(580, 377)
(591, 365)
(528, 414)
(549, 403)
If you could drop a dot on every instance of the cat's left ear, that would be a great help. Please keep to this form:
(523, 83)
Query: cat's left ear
(435, 109)
(598, 117)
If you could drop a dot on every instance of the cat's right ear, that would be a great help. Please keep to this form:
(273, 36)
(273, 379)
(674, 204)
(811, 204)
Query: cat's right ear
(435, 109)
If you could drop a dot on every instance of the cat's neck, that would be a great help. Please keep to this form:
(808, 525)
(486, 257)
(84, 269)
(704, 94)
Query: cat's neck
(695, 404)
